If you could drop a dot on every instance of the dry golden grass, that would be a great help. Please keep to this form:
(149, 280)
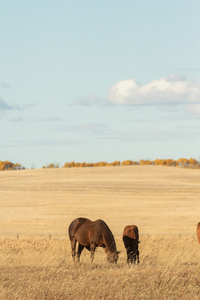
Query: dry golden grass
(163, 202)
(42, 269)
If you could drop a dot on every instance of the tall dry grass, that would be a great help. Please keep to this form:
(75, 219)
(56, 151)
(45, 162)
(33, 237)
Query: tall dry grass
(163, 202)
(43, 269)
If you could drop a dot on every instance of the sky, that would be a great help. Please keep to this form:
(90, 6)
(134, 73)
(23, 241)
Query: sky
(92, 81)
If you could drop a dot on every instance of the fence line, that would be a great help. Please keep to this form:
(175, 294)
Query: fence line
(61, 236)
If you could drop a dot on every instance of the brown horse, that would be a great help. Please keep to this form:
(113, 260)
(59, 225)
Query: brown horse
(131, 239)
(198, 232)
(92, 234)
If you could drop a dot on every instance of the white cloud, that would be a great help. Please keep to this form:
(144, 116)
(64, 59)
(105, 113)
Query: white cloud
(174, 90)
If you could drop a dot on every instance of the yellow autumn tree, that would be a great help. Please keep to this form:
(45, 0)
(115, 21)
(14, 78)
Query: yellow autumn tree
(127, 163)
(7, 165)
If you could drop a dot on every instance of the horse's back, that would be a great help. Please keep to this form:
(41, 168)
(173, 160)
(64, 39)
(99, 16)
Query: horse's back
(74, 225)
(86, 231)
(83, 230)
(92, 231)
(100, 225)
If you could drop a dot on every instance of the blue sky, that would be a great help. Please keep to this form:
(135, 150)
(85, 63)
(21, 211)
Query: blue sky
(99, 81)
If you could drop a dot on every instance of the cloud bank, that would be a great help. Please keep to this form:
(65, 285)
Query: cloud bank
(89, 100)
(4, 106)
(174, 90)
(4, 85)
(90, 128)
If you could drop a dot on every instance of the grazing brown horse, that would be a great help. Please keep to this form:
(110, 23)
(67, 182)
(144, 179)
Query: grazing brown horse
(92, 234)
(198, 232)
(131, 239)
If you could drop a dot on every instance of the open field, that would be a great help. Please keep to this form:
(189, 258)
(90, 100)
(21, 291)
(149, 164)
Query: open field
(160, 200)
(163, 202)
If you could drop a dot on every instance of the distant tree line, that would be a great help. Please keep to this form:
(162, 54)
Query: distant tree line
(181, 162)
(7, 165)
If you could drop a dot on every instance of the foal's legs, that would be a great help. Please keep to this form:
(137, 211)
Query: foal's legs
(138, 259)
(135, 257)
(128, 252)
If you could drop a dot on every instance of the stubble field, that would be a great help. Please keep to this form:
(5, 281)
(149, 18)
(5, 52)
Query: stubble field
(37, 206)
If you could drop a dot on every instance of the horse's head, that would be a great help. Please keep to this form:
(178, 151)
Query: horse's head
(113, 257)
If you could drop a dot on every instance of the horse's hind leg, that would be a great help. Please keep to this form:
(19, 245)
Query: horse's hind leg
(80, 249)
(73, 245)
(92, 250)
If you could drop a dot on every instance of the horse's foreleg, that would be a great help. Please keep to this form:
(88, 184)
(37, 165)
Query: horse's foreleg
(73, 245)
(92, 250)
(80, 249)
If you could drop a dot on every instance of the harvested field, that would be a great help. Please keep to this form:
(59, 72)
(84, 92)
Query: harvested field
(36, 205)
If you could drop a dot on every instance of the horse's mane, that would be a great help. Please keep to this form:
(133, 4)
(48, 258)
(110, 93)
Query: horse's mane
(111, 234)
(106, 226)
